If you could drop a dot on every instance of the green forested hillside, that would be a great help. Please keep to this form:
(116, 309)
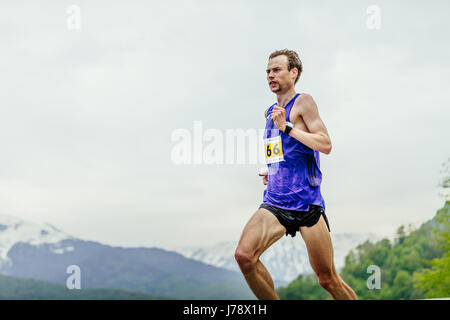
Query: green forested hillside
(413, 266)
(12, 288)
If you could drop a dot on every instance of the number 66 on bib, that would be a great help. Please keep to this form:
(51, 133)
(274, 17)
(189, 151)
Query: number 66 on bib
(274, 149)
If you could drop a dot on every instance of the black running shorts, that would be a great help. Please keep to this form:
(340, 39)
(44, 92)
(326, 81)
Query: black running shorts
(292, 220)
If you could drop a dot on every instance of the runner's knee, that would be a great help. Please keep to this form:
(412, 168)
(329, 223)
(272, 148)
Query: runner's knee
(328, 281)
(245, 260)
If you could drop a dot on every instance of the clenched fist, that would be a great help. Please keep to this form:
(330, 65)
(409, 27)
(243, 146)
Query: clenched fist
(279, 117)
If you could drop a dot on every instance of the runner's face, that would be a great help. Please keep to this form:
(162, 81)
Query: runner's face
(279, 77)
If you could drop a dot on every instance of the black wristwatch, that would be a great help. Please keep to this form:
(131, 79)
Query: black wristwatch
(288, 128)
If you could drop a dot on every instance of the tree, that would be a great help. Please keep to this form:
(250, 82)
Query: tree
(435, 281)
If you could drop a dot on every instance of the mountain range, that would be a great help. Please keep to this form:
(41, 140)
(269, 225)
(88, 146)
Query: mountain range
(43, 252)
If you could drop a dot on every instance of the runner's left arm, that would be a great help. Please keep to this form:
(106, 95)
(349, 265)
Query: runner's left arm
(317, 138)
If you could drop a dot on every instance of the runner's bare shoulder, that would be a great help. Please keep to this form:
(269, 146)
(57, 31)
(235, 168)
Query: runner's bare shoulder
(304, 98)
(303, 102)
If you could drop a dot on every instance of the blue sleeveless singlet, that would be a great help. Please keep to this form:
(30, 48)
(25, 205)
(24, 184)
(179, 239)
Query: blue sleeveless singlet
(293, 183)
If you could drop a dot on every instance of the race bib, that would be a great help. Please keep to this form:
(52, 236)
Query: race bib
(274, 149)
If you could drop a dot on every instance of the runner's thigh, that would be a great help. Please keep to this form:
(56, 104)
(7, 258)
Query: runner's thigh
(320, 249)
(261, 231)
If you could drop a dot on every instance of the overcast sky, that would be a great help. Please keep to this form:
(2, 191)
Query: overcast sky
(87, 115)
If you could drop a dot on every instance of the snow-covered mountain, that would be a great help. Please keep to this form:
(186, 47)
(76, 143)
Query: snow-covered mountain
(14, 230)
(285, 259)
(42, 252)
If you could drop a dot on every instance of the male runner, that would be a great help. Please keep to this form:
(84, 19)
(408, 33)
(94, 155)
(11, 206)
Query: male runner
(294, 136)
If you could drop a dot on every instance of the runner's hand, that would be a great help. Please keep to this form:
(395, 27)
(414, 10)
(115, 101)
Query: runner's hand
(264, 173)
(279, 117)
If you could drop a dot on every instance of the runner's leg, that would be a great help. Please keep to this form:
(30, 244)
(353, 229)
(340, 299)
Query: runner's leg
(261, 231)
(320, 252)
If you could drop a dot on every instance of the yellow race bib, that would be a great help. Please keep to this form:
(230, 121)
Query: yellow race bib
(274, 149)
